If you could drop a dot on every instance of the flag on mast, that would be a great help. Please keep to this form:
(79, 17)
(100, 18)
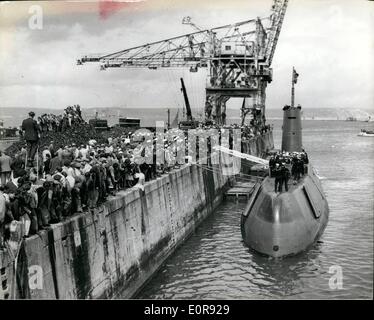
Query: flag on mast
(295, 75)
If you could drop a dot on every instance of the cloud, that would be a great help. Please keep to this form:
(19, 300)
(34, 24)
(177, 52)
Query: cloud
(329, 42)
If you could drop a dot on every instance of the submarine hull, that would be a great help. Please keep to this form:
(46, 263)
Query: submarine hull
(282, 224)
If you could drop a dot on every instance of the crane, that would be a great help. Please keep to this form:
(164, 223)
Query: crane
(238, 57)
(186, 101)
(190, 123)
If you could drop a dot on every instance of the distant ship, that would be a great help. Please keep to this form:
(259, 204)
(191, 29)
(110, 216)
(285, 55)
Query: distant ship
(351, 119)
(7, 133)
(369, 119)
(366, 133)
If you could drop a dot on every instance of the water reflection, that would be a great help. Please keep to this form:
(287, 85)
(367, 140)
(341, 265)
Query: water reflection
(285, 275)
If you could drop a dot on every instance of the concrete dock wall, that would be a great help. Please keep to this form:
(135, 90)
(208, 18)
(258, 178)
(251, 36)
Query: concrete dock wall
(112, 251)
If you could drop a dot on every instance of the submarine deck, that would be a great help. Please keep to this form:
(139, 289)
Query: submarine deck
(269, 186)
(246, 188)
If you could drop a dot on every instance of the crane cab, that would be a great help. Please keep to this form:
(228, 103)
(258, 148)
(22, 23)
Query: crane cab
(229, 48)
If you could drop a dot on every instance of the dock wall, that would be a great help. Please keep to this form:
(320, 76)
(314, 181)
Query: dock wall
(113, 250)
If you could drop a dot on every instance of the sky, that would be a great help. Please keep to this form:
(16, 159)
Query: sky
(329, 42)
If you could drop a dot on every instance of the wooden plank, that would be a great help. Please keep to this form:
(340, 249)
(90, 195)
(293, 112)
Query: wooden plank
(241, 189)
(238, 191)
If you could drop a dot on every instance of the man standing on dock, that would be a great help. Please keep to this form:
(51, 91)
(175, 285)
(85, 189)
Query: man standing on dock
(30, 129)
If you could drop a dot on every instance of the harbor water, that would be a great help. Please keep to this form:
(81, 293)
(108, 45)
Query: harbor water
(214, 263)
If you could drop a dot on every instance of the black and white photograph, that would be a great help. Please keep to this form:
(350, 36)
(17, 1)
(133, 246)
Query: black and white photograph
(183, 151)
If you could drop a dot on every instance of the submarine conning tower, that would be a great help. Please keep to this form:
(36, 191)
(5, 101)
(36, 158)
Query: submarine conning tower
(292, 136)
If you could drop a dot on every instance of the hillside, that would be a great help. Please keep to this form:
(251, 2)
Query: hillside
(14, 116)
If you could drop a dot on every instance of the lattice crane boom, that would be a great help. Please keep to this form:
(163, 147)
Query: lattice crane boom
(279, 10)
(238, 57)
(185, 50)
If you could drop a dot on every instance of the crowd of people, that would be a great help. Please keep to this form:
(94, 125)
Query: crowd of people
(251, 131)
(284, 165)
(248, 131)
(73, 178)
(67, 175)
(59, 123)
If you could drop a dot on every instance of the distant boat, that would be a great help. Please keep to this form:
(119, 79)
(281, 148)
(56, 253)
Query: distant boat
(366, 133)
(8, 133)
(351, 119)
(369, 119)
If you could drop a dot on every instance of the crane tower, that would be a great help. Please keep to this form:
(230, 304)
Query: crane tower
(238, 57)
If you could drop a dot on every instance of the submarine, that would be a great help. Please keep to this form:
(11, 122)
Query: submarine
(286, 223)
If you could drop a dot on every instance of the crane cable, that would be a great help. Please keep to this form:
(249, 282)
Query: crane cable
(173, 88)
(243, 176)
(170, 86)
(194, 88)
